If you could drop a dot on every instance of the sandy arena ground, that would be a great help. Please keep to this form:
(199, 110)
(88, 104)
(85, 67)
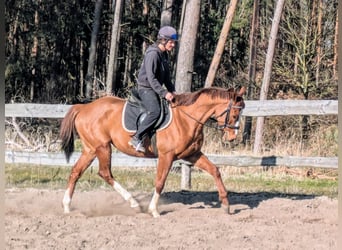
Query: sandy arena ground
(100, 219)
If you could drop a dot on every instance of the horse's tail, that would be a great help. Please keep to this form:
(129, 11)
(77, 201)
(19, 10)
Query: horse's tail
(68, 131)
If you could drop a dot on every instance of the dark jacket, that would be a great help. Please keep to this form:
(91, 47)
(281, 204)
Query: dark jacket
(155, 72)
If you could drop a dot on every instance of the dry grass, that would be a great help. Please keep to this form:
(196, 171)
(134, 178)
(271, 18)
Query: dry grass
(283, 136)
(250, 180)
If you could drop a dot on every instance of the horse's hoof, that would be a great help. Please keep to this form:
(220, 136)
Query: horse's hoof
(154, 213)
(66, 210)
(133, 203)
(226, 209)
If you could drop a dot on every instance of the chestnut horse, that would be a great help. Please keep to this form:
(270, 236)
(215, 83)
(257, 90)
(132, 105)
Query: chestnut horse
(99, 125)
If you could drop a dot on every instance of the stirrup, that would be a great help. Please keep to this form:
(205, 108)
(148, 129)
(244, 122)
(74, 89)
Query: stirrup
(137, 144)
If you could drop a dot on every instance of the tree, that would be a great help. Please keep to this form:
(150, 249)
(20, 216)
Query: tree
(335, 48)
(64, 45)
(306, 64)
(251, 67)
(220, 45)
(166, 14)
(319, 39)
(187, 45)
(92, 55)
(112, 65)
(268, 71)
(34, 53)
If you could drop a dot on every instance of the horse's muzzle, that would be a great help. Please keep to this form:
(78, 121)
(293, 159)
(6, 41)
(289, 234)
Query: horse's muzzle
(228, 136)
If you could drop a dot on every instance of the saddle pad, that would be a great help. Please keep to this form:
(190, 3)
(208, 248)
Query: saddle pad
(130, 118)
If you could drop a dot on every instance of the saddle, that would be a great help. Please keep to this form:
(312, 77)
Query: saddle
(134, 113)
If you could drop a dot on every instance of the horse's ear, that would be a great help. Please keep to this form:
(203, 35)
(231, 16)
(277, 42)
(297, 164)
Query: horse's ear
(242, 91)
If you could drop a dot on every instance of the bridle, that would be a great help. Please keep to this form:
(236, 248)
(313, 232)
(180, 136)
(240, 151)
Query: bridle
(226, 120)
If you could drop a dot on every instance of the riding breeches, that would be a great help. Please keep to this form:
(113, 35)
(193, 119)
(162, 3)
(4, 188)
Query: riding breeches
(152, 104)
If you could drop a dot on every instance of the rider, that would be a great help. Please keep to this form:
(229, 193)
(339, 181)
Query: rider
(153, 74)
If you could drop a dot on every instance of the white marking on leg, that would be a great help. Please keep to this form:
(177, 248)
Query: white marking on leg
(152, 208)
(125, 194)
(66, 201)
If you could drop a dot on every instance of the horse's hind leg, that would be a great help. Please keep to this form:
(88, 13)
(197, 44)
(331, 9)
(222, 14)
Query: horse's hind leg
(103, 154)
(81, 165)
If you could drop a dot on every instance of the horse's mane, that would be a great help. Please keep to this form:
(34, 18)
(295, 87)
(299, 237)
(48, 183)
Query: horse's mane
(189, 98)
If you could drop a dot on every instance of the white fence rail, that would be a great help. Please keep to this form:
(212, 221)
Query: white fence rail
(122, 160)
(253, 108)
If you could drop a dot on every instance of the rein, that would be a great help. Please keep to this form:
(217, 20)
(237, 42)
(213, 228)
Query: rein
(218, 127)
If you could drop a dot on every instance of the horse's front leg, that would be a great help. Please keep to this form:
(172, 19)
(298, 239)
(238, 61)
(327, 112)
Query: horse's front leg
(202, 162)
(163, 169)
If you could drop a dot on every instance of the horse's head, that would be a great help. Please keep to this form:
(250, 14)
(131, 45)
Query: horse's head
(228, 115)
(226, 110)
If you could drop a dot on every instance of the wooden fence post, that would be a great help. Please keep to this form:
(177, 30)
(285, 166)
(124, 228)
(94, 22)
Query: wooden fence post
(186, 176)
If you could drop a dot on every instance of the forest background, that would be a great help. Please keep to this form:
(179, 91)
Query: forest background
(75, 50)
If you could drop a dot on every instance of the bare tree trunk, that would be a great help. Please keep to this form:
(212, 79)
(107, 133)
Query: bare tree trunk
(128, 62)
(92, 53)
(335, 49)
(295, 67)
(146, 8)
(166, 14)
(81, 70)
(187, 46)
(185, 61)
(267, 72)
(34, 54)
(220, 45)
(145, 12)
(251, 68)
(112, 65)
(12, 33)
(180, 28)
(319, 40)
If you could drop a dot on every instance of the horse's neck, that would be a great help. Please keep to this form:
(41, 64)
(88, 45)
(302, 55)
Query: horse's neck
(199, 112)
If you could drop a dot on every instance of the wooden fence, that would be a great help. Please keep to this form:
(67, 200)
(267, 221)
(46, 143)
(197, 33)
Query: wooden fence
(122, 160)
(253, 108)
